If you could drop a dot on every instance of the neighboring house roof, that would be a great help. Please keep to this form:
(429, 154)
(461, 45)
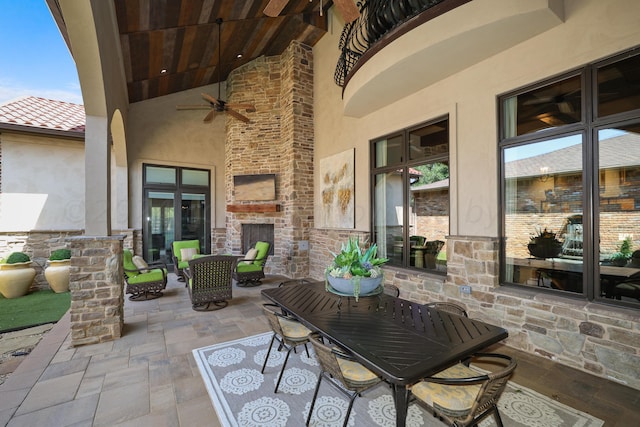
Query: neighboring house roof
(437, 185)
(39, 114)
(569, 159)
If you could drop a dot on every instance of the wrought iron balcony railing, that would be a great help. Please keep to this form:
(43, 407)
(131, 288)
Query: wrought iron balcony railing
(377, 19)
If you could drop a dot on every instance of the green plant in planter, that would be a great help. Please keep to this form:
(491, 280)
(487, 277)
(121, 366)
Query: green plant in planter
(354, 264)
(17, 257)
(16, 275)
(623, 255)
(60, 255)
(353, 261)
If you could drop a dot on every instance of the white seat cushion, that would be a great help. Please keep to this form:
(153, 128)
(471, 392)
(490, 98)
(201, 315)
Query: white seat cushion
(250, 256)
(140, 263)
(452, 400)
(187, 254)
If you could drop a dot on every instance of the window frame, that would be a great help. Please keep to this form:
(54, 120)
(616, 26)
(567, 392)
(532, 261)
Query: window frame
(589, 127)
(404, 166)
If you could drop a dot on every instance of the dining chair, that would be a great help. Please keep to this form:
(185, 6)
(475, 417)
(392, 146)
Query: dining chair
(392, 290)
(463, 396)
(209, 280)
(342, 371)
(290, 282)
(289, 333)
(449, 307)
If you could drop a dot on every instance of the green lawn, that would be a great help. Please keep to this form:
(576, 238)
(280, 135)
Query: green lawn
(36, 308)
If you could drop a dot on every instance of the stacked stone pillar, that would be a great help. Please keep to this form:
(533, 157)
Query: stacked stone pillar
(96, 286)
(278, 140)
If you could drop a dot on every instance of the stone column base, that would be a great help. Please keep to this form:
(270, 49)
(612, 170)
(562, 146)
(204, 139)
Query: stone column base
(97, 289)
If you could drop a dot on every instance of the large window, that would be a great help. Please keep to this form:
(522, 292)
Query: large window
(410, 184)
(570, 150)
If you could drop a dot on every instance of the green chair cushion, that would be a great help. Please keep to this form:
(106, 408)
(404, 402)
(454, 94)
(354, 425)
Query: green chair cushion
(181, 244)
(246, 268)
(263, 250)
(154, 275)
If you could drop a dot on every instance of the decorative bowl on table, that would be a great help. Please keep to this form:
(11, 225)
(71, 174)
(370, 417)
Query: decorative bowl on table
(354, 271)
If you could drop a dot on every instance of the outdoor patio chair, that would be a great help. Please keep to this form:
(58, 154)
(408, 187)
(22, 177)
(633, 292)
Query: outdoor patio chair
(449, 307)
(462, 396)
(250, 270)
(392, 290)
(209, 281)
(144, 281)
(342, 371)
(288, 332)
(183, 252)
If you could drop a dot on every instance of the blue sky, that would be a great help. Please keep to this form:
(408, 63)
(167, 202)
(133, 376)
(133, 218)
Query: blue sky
(34, 59)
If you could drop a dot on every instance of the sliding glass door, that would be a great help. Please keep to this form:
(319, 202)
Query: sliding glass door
(176, 206)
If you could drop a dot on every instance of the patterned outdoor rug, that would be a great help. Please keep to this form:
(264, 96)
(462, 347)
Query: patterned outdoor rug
(242, 396)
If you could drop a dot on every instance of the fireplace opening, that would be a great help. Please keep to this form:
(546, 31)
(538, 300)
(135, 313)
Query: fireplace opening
(252, 233)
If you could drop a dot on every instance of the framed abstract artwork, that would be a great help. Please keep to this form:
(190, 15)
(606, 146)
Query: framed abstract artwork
(337, 190)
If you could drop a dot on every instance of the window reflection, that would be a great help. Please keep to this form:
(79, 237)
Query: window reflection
(571, 194)
(619, 219)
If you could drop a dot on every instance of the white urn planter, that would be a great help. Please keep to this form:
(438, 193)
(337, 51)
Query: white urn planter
(16, 279)
(57, 275)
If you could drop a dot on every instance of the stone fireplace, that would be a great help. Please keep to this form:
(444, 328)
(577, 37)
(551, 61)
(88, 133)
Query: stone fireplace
(279, 141)
(252, 233)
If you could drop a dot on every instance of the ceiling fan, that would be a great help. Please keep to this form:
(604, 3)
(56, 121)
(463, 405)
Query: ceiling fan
(347, 8)
(217, 105)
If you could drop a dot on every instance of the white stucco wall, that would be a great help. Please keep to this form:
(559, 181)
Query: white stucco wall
(42, 184)
(159, 134)
(592, 30)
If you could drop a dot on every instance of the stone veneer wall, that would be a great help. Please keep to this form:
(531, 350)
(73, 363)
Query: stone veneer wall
(97, 289)
(39, 244)
(278, 140)
(593, 337)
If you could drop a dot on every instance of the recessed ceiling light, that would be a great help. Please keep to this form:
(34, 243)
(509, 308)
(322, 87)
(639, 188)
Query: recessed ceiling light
(163, 71)
(238, 56)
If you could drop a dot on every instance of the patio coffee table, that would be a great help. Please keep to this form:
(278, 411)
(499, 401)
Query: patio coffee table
(400, 340)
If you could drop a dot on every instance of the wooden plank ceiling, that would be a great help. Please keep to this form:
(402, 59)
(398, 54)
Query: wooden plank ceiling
(170, 46)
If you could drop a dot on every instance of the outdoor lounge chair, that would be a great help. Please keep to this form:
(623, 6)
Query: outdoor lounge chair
(462, 396)
(144, 281)
(342, 371)
(250, 270)
(288, 332)
(183, 252)
(449, 307)
(209, 281)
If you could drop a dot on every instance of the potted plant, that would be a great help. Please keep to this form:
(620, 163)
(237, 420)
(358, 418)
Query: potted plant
(16, 275)
(57, 272)
(623, 255)
(544, 244)
(354, 271)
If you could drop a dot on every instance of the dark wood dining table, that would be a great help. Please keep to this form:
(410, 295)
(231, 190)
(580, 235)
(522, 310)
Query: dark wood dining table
(400, 340)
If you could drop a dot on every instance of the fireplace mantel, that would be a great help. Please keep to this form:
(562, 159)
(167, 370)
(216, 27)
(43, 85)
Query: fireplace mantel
(254, 207)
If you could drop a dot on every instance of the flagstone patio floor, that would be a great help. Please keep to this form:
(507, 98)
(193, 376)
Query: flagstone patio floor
(149, 376)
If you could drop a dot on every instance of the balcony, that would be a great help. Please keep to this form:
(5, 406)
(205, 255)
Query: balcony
(398, 47)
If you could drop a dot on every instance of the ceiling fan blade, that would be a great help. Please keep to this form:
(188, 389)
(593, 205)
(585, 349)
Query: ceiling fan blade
(237, 115)
(348, 10)
(193, 107)
(209, 115)
(210, 98)
(274, 7)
